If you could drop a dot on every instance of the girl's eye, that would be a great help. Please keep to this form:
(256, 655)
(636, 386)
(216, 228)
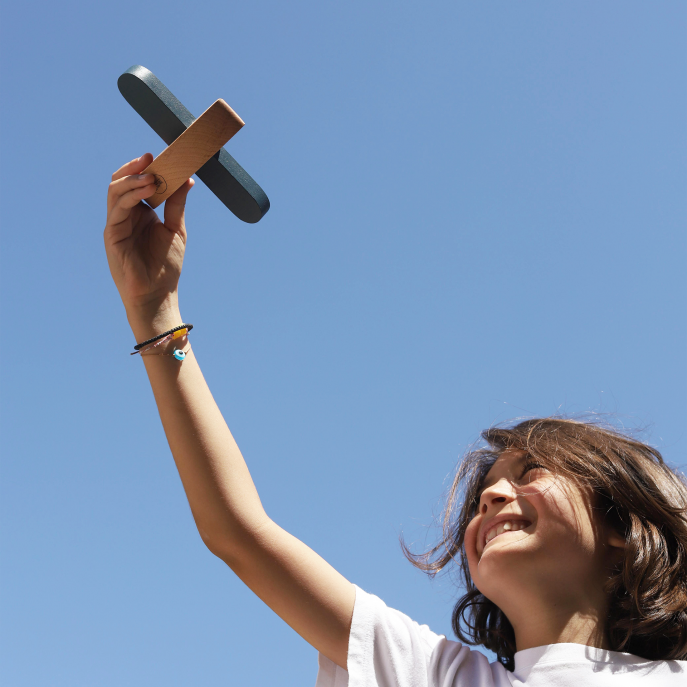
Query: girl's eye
(531, 466)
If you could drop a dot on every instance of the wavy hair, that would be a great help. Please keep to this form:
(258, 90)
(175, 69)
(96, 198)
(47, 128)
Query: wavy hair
(644, 499)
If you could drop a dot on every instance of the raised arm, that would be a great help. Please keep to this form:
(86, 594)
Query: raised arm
(145, 257)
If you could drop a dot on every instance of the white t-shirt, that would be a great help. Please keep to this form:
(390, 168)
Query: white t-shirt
(388, 649)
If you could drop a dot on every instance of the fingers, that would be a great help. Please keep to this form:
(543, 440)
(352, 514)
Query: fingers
(175, 206)
(128, 188)
(121, 208)
(134, 167)
(126, 184)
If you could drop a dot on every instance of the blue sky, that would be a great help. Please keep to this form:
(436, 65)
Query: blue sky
(478, 213)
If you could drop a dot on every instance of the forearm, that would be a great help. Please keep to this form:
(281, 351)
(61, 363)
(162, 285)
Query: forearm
(218, 485)
(288, 576)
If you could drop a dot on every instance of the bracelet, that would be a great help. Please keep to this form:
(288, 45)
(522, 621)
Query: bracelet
(177, 353)
(187, 327)
(176, 333)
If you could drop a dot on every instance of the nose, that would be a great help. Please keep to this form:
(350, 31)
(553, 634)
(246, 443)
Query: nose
(499, 493)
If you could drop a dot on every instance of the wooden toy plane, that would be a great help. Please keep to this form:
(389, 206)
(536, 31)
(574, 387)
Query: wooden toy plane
(195, 146)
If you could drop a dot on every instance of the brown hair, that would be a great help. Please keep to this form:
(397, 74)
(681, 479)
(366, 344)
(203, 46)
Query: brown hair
(641, 496)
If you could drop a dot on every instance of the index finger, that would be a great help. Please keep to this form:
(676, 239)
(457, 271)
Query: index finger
(133, 167)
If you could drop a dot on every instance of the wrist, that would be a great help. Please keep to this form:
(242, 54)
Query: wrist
(146, 323)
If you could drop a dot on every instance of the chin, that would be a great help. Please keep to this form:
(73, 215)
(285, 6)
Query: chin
(501, 564)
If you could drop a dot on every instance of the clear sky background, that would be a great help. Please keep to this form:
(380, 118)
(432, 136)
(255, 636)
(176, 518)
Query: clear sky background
(478, 213)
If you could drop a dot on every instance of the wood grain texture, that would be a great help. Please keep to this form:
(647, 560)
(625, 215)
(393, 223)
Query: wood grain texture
(188, 153)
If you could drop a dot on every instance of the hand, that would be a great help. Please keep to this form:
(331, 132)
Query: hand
(145, 255)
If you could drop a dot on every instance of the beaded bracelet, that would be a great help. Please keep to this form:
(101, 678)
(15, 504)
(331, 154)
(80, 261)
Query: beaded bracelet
(177, 353)
(187, 327)
(175, 333)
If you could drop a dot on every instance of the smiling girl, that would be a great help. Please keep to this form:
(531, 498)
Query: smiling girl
(571, 538)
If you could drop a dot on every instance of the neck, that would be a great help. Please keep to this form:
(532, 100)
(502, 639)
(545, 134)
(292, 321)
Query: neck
(576, 629)
(558, 621)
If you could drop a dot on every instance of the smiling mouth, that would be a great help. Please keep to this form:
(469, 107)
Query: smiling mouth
(503, 527)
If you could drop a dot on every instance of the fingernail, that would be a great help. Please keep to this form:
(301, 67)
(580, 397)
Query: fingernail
(145, 176)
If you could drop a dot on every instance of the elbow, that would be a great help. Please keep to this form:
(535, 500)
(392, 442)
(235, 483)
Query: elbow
(218, 544)
(210, 542)
(234, 547)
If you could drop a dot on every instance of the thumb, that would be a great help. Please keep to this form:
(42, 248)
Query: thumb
(175, 206)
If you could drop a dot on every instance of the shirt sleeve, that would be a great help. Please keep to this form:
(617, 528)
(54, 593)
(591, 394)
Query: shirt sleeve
(388, 649)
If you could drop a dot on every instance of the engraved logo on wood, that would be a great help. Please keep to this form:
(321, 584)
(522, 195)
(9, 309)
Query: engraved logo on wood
(160, 184)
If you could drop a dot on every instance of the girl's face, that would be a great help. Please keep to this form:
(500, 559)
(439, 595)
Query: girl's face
(536, 537)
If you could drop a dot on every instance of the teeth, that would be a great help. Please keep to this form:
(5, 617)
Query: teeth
(506, 526)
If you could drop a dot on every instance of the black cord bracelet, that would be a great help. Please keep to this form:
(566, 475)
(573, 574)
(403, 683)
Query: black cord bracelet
(138, 347)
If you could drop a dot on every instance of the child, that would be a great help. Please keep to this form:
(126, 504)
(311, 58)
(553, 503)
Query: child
(572, 539)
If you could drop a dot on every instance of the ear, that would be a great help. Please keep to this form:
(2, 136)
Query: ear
(614, 539)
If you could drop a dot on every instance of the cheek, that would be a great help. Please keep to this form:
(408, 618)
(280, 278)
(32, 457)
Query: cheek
(471, 545)
(563, 520)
